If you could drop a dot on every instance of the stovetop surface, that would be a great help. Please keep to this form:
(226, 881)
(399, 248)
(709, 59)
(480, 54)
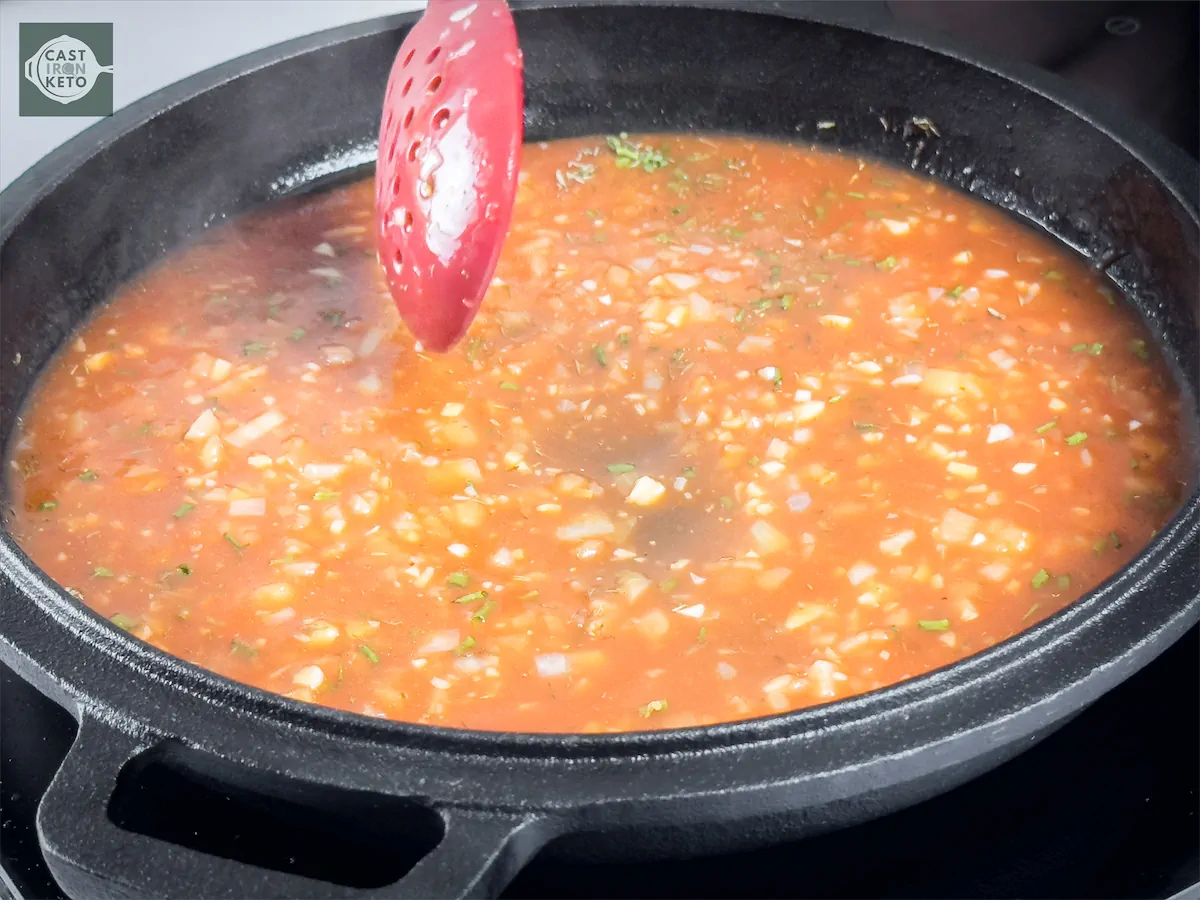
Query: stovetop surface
(1108, 806)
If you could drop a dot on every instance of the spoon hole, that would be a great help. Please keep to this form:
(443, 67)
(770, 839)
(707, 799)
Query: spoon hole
(392, 150)
(434, 83)
(433, 54)
(440, 118)
(407, 59)
(408, 221)
(407, 87)
(408, 117)
(413, 149)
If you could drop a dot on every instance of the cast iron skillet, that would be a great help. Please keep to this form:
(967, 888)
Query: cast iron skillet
(126, 191)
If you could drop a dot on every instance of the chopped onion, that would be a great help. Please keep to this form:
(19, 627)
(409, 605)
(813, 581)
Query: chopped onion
(997, 433)
(205, 426)
(860, 572)
(768, 538)
(257, 428)
(894, 543)
(249, 506)
(721, 276)
(702, 249)
(695, 611)
(755, 343)
(442, 642)
(311, 677)
(337, 354)
(370, 384)
(682, 281)
(644, 263)
(725, 671)
(799, 502)
(996, 571)
(588, 525)
(1002, 358)
(957, 527)
(322, 471)
(652, 381)
(551, 665)
(371, 341)
(1024, 468)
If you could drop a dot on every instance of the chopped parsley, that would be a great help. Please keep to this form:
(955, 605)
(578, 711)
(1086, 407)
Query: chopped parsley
(103, 572)
(296, 334)
(89, 475)
(1040, 579)
(635, 156)
(509, 386)
(472, 597)
(620, 468)
(47, 505)
(241, 648)
(689, 471)
(1042, 429)
(237, 545)
(325, 495)
(467, 643)
(888, 262)
(458, 579)
(183, 569)
(1077, 438)
(934, 624)
(123, 621)
(601, 356)
(1138, 346)
(253, 348)
(183, 510)
(370, 654)
(481, 614)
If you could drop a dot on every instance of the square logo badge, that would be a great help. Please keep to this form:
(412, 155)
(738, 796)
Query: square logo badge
(66, 69)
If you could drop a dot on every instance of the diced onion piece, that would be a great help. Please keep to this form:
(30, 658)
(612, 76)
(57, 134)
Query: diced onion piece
(725, 671)
(591, 524)
(633, 584)
(945, 382)
(755, 344)
(248, 506)
(957, 527)
(205, 426)
(962, 470)
(799, 502)
(337, 354)
(808, 410)
(1002, 358)
(273, 596)
(860, 572)
(804, 614)
(551, 665)
(441, 642)
(833, 321)
(452, 410)
(1024, 468)
(721, 276)
(692, 611)
(256, 428)
(221, 368)
(681, 280)
(895, 226)
(996, 571)
(773, 578)
(646, 492)
(322, 471)
(327, 272)
(821, 673)
(311, 677)
(893, 544)
(997, 433)
(654, 624)
(768, 538)
(371, 341)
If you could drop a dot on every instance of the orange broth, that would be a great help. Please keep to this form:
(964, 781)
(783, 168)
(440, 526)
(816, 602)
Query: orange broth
(742, 427)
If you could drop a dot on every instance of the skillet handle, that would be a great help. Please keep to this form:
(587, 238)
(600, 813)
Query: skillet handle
(90, 856)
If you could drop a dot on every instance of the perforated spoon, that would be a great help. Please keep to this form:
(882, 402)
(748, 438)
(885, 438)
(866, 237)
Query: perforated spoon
(449, 151)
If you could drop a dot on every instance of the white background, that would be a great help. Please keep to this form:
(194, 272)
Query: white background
(154, 44)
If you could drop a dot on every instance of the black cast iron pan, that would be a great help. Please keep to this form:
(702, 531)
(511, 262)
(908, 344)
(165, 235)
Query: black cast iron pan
(118, 197)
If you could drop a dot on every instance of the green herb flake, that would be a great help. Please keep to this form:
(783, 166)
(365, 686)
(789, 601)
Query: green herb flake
(480, 615)
(89, 475)
(458, 579)
(234, 542)
(864, 426)
(760, 304)
(253, 348)
(934, 624)
(370, 654)
(297, 334)
(726, 503)
(1031, 611)
(689, 471)
(1079, 348)
(1077, 438)
(183, 510)
(651, 708)
(1114, 540)
(857, 195)
(472, 597)
(47, 505)
(667, 585)
(1095, 349)
(183, 569)
(1063, 582)
(633, 156)
(600, 355)
(1040, 579)
(509, 386)
(702, 636)
(123, 621)
(465, 647)
(623, 338)
(322, 495)
(103, 572)
(620, 468)
(334, 317)
(1054, 275)
(241, 648)
(1138, 346)
(1042, 429)
(740, 315)
(956, 291)
(786, 301)
(888, 262)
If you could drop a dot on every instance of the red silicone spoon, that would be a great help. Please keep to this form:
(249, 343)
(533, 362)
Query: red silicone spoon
(449, 150)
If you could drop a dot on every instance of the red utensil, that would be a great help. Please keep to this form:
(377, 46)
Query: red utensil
(449, 151)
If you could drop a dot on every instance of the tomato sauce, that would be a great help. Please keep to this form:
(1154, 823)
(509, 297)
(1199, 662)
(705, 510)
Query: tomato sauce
(742, 427)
